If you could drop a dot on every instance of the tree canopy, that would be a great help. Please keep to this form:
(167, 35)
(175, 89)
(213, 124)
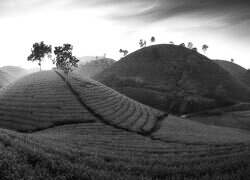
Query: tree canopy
(39, 51)
(64, 59)
(204, 48)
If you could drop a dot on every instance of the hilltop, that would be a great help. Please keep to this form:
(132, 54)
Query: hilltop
(236, 70)
(174, 79)
(94, 67)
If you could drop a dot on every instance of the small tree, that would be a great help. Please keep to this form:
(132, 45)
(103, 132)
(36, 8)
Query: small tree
(182, 45)
(204, 48)
(171, 42)
(38, 52)
(125, 52)
(232, 60)
(194, 49)
(142, 43)
(190, 45)
(64, 59)
(152, 39)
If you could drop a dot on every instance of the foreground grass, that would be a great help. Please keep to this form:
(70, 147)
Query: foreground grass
(98, 151)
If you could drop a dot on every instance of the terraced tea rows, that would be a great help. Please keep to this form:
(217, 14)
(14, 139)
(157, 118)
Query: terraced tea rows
(174, 129)
(98, 151)
(115, 108)
(39, 101)
(149, 97)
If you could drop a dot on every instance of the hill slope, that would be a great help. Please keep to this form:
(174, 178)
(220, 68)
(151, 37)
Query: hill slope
(235, 70)
(183, 79)
(104, 134)
(39, 101)
(42, 99)
(98, 151)
(94, 67)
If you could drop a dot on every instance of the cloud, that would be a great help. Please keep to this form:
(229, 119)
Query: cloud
(153, 11)
(141, 12)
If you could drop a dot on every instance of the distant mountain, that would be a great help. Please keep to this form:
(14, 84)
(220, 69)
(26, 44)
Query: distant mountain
(85, 59)
(94, 67)
(14, 71)
(5, 78)
(236, 70)
(10, 73)
(174, 79)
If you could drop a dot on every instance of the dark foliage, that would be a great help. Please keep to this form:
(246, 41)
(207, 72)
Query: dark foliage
(39, 51)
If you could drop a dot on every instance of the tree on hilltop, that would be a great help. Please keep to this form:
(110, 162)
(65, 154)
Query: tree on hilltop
(152, 39)
(194, 49)
(142, 43)
(38, 52)
(190, 45)
(64, 59)
(125, 52)
(204, 48)
(182, 45)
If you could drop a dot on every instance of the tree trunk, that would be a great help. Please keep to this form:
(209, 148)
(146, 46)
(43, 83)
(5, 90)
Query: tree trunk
(40, 65)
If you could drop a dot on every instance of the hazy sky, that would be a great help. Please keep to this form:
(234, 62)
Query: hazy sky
(95, 27)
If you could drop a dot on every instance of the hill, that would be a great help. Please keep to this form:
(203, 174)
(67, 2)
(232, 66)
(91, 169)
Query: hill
(5, 78)
(14, 71)
(85, 59)
(174, 79)
(99, 151)
(83, 129)
(10, 73)
(41, 100)
(94, 67)
(236, 70)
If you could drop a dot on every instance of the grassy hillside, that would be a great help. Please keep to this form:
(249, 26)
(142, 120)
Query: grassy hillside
(236, 70)
(114, 108)
(42, 100)
(94, 67)
(175, 129)
(85, 130)
(39, 101)
(98, 151)
(236, 116)
(186, 80)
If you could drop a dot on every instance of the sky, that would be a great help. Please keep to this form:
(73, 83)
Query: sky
(95, 27)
